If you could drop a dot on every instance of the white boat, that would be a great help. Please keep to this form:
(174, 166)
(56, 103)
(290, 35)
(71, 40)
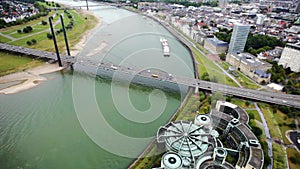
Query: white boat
(165, 46)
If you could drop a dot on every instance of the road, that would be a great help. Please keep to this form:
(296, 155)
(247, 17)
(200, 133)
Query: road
(270, 97)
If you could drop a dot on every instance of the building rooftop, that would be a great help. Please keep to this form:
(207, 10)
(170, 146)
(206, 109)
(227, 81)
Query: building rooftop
(217, 42)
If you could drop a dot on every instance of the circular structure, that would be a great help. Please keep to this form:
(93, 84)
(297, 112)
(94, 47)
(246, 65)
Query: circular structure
(220, 155)
(172, 160)
(212, 166)
(203, 120)
(220, 152)
(186, 138)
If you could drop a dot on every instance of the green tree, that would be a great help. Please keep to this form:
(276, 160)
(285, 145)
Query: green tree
(33, 41)
(49, 35)
(29, 43)
(222, 56)
(44, 22)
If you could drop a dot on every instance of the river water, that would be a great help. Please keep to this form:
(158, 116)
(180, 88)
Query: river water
(78, 121)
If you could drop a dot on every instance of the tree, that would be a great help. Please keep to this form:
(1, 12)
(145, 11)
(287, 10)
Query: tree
(29, 43)
(228, 98)
(251, 116)
(247, 103)
(25, 30)
(33, 41)
(29, 28)
(49, 35)
(257, 131)
(205, 76)
(44, 22)
(222, 56)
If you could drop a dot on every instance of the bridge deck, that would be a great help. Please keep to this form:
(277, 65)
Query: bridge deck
(271, 97)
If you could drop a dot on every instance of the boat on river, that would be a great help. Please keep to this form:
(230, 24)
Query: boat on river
(165, 46)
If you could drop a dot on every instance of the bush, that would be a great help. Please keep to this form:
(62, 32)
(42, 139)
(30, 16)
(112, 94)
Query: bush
(49, 35)
(25, 30)
(29, 28)
(222, 56)
(33, 41)
(247, 103)
(19, 31)
(29, 43)
(44, 22)
(228, 98)
(251, 116)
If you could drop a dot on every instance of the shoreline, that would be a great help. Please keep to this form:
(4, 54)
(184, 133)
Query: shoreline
(29, 78)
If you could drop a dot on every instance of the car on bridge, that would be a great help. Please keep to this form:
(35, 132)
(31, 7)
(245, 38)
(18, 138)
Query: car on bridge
(154, 75)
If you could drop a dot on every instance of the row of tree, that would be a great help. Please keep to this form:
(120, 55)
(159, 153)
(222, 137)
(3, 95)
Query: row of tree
(286, 77)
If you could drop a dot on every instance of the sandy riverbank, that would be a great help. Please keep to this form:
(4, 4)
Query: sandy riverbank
(28, 78)
(79, 46)
(33, 77)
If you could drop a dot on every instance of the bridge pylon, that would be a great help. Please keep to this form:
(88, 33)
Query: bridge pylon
(55, 43)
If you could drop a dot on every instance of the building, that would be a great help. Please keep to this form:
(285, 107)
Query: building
(209, 139)
(260, 19)
(297, 10)
(215, 45)
(290, 57)
(250, 66)
(238, 38)
(223, 3)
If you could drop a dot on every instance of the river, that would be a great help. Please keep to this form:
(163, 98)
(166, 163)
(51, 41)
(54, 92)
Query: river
(79, 121)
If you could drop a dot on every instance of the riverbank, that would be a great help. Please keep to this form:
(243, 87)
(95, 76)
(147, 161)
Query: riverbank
(29, 78)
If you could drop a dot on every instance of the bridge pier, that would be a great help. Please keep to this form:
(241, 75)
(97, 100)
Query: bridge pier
(196, 90)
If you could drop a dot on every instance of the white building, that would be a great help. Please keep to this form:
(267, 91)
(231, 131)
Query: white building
(238, 38)
(290, 57)
(260, 19)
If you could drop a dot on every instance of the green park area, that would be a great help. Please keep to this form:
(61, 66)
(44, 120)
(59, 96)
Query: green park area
(35, 34)
(209, 71)
(13, 63)
(294, 156)
(241, 78)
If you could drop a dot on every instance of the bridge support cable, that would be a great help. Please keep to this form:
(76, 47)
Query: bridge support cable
(66, 38)
(55, 43)
(87, 5)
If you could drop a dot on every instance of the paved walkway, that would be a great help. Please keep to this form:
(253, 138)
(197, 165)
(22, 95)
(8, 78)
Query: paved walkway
(7, 36)
(267, 131)
(229, 75)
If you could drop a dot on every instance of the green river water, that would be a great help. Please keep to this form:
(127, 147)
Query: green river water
(51, 126)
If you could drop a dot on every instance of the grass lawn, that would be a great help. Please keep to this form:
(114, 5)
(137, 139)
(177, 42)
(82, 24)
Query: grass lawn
(279, 161)
(242, 79)
(283, 122)
(206, 65)
(4, 39)
(293, 153)
(246, 82)
(256, 115)
(43, 43)
(11, 63)
(271, 121)
(242, 103)
(188, 111)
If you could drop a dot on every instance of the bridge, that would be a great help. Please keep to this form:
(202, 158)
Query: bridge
(270, 97)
